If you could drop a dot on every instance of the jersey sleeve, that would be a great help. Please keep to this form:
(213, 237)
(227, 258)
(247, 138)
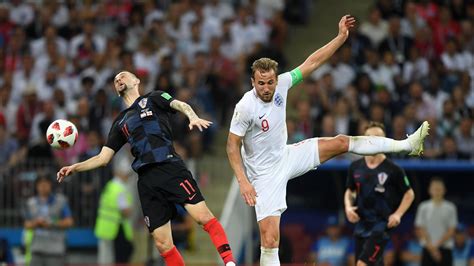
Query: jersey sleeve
(350, 183)
(285, 80)
(401, 181)
(163, 100)
(290, 79)
(115, 140)
(453, 216)
(420, 215)
(241, 120)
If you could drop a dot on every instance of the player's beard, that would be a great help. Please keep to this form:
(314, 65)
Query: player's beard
(266, 97)
(122, 92)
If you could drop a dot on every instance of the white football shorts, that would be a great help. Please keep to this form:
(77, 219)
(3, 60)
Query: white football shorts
(298, 159)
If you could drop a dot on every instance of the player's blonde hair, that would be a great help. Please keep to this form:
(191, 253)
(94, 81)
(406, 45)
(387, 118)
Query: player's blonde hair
(264, 64)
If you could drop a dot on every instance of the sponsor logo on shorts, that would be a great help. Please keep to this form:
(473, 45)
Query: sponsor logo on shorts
(147, 221)
(192, 197)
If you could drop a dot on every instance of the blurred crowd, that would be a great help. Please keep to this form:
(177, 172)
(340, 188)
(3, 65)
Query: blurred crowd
(59, 59)
(406, 62)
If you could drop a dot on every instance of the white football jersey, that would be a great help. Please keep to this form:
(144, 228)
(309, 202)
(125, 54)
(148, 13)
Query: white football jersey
(263, 128)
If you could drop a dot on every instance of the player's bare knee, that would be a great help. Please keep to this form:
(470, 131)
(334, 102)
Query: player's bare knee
(270, 238)
(342, 143)
(204, 216)
(361, 263)
(270, 241)
(162, 244)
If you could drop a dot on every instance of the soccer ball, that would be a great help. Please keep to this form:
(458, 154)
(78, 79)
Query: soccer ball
(61, 134)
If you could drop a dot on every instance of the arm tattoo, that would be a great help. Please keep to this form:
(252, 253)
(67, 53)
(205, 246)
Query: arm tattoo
(184, 108)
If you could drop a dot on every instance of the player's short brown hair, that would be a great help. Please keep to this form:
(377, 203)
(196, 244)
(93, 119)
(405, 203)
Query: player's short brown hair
(372, 124)
(264, 64)
(437, 179)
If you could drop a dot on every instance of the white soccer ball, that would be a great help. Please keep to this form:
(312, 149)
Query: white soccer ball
(61, 134)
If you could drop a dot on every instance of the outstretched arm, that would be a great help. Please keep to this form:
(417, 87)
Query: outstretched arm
(317, 58)
(233, 153)
(101, 159)
(407, 200)
(186, 109)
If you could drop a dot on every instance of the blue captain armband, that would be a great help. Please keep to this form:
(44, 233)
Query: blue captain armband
(296, 76)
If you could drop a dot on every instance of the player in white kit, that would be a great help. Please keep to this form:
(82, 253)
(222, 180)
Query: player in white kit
(257, 150)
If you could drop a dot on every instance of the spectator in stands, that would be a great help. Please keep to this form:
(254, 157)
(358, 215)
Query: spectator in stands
(331, 249)
(416, 67)
(375, 28)
(380, 75)
(444, 28)
(435, 94)
(47, 215)
(26, 112)
(9, 147)
(436, 219)
(395, 42)
(411, 253)
(365, 88)
(6, 255)
(424, 106)
(462, 246)
(464, 137)
(358, 43)
(433, 146)
(46, 116)
(41, 151)
(294, 135)
(450, 119)
(471, 256)
(113, 227)
(450, 150)
(411, 22)
(305, 123)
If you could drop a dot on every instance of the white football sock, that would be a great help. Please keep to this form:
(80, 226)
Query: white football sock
(371, 145)
(269, 257)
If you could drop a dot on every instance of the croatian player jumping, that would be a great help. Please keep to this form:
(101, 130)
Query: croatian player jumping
(163, 179)
(265, 163)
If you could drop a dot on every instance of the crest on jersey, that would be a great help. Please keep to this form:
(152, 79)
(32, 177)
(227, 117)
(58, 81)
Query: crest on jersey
(381, 178)
(142, 103)
(278, 99)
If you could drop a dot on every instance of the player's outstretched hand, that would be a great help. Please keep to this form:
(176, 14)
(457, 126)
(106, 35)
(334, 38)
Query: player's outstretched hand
(394, 220)
(199, 123)
(345, 24)
(352, 215)
(248, 193)
(65, 171)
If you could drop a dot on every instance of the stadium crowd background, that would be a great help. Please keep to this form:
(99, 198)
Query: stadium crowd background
(406, 62)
